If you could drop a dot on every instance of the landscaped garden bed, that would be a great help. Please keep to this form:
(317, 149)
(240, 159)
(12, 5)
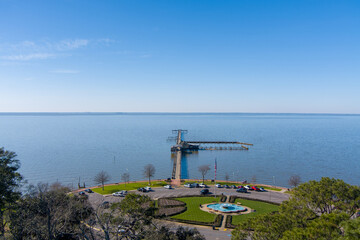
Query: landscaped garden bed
(168, 202)
(168, 207)
(170, 211)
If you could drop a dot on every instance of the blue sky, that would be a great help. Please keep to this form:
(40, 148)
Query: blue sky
(180, 56)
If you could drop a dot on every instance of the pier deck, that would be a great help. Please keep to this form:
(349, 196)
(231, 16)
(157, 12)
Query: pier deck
(182, 146)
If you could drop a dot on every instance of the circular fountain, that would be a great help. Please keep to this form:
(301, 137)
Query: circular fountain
(226, 208)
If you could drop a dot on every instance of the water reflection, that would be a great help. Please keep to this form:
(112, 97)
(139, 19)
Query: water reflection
(183, 157)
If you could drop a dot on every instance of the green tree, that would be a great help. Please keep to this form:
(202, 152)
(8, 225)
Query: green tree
(316, 209)
(9, 183)
(328, 195)
(351, 229)
(327, 226)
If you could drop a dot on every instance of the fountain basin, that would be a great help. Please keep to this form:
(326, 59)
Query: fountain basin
(226, 207)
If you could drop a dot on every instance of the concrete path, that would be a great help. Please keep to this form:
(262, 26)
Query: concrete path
(223, 223)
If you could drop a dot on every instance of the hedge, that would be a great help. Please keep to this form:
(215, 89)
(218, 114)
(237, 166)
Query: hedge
(228, 223)
(216, 223)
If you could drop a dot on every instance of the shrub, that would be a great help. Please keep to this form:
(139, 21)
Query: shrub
(218, 220)
(228, 223)
(232, 199)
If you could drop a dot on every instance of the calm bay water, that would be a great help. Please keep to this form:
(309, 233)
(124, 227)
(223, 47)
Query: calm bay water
(65, 147)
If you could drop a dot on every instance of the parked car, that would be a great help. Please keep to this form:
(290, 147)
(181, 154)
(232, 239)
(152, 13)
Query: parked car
(124, 192)
(82, 193)
(241, 190)
(196, 185)
(226, 186)
(118, 194)
(88, 190)
(218, 186)
(142, 189)
(202, 185)
(148, 189)
(255, 188)
(248, 187)
(233, 186)
(240, 186)
(262, 189)
(189, 185)
(168, 187)
(204, 191)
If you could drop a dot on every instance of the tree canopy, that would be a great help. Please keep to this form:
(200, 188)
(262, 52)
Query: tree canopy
(316, 210)
(10, 180)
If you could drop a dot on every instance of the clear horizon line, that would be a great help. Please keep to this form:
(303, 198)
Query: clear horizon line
(115, 112)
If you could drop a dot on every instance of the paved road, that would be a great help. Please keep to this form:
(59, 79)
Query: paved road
(272, 196)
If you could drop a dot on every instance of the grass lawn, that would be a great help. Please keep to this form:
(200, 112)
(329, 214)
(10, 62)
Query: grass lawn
(260, 207)
(270, 188)
(212, 183)
(129, 186)
(193, 212)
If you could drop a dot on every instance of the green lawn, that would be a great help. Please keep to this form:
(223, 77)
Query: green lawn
(270, 188)
(129, 186)
(212, 183)
(260, 207)
(193, 212)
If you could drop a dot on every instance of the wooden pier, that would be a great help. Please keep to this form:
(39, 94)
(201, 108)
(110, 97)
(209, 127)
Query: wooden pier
(183, 146)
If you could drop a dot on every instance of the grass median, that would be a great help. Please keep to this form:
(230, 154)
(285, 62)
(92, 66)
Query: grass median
(193, 212)
(260, 208)
(129, 186)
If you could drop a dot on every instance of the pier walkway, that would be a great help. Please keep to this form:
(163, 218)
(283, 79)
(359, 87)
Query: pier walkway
(183, 146)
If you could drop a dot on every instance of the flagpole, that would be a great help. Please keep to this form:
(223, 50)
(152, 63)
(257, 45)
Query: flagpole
(215, 177)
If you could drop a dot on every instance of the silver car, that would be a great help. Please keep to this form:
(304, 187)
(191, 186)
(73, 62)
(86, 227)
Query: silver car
(118, 194)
